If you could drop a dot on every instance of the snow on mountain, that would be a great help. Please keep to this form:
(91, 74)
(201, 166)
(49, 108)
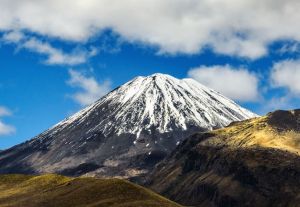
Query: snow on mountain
(159, 100)
(128, 131)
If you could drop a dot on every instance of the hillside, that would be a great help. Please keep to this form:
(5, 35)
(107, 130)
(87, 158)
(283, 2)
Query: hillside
(279, 130)
(59, 191)
(250, 163)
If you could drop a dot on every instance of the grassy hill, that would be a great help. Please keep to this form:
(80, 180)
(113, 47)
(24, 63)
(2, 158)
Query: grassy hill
(59, 191)
(250, 163)
(278, 130)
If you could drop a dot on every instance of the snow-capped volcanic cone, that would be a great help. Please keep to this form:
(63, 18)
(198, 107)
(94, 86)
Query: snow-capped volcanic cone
(126, 132)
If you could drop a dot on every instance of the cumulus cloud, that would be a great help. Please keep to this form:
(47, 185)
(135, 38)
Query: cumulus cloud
(90, 89)
(232, 27)
(5, 129)
(54, 56)
(286, 74)
(236, 83)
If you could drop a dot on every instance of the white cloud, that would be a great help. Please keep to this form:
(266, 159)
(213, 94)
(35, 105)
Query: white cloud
(13, 37)
(4, 111)
(236, 83)
(233, 27)
(5, 129)
(54, 56)
(91, 90)
(286, 74)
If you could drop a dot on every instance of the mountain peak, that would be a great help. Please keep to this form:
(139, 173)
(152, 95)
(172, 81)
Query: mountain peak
(160, 75)
(164, 102)
(131, 128)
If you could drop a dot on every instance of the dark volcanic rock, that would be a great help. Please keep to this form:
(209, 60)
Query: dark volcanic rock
(285, 120)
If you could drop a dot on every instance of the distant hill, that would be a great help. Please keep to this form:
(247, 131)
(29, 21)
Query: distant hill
(250, 163)
(59, 191)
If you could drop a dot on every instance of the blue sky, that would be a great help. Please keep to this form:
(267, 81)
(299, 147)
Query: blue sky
(55, 64)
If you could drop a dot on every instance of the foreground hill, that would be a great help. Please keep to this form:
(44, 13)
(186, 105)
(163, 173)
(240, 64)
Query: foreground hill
(250, 163)
(126, 132)
(59, 191)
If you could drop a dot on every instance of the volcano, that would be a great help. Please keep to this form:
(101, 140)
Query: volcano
(125, 133)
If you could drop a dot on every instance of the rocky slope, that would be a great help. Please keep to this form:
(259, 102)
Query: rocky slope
(59, 191)
(249, 163)
(126, 132)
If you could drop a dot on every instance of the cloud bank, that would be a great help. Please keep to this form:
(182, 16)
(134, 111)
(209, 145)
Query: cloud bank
(231, 27)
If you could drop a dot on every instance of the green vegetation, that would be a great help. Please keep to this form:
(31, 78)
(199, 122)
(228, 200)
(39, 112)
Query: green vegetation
(59, 191)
